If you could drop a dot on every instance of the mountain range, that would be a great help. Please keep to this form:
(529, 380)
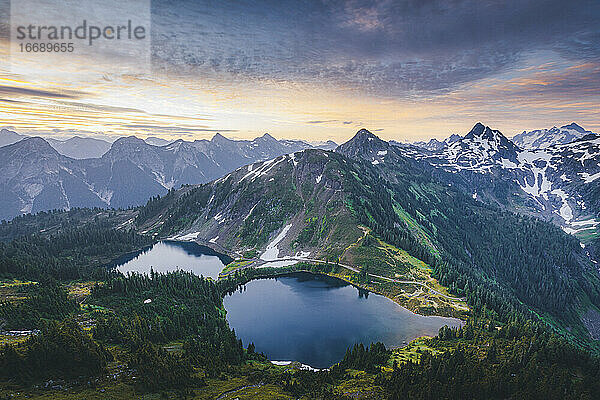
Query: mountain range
(481, 214)
(434, 144)
(81, 147)
(383, 208)
(78, 147)
(557, 182)
(35, 176)
(536, 139)
(400, 221)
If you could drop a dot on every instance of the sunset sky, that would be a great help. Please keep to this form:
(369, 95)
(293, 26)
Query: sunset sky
(318, 70)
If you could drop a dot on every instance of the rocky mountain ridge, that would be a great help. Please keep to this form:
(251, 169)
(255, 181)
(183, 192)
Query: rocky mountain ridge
(36, 177)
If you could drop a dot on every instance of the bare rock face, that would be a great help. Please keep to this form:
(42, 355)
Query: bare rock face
(591, 320)
(35, 177)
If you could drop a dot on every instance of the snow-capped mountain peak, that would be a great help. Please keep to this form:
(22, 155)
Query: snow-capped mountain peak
(452, 138)
(556, 181)
(544, 138)
(478, 130)
(574, 126)
(478, 150)
(484, 134)
(431, 145)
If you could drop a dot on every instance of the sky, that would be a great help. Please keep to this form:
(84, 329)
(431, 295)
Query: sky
(313, 70)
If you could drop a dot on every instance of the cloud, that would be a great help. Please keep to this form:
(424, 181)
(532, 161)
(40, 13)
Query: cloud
(322, 122)
(412, 67)
(12, 101)
(99, 107)
(26, 92)
(579, 83)
(394, 48)
(176, 129)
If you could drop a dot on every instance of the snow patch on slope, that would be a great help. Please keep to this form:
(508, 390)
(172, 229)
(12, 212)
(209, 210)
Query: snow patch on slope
(264, 168)
(250, 212)
(565, 209)
(219, 218)
(587, 178)
(189, 237)
(272, 252)
(583, 225)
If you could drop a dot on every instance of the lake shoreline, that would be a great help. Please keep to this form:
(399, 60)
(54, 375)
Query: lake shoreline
(334, 278)
(287, 270)
(281, 271)
(172, 255)
(313, 318)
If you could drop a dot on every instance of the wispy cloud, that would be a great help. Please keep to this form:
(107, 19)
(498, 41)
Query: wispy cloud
(11, 101)
(177, 129)
(322, 122)
(400, 49)
(6, 90)
(321, 69)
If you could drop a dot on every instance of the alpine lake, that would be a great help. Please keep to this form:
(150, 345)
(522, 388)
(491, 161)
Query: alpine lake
(300, 317)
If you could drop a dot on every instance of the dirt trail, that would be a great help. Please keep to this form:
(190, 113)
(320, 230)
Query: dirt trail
(257, 263)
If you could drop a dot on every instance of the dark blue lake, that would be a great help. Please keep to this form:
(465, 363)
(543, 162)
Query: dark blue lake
(313, 319)
(168, 256)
